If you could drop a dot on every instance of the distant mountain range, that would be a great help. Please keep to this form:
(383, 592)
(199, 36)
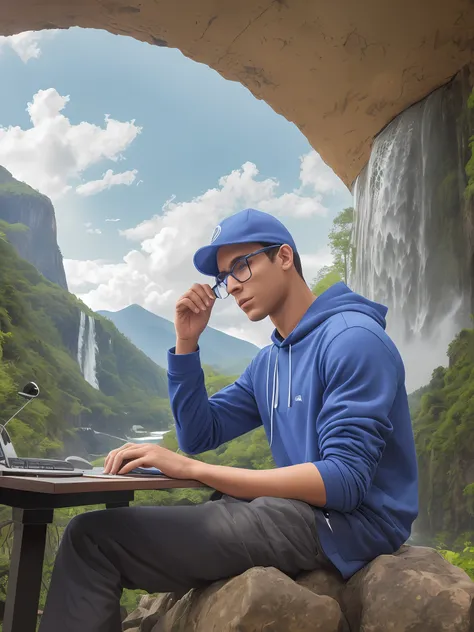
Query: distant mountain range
(154, 335)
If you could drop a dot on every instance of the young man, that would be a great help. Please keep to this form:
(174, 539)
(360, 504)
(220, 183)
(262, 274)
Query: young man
(330, 394)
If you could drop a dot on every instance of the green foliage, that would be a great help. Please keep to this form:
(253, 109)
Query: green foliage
(468, 492)
(216, 381)
(464, 558)
(324, 283)
(39, 324)
(443, 422)
(469, 190)
(340, 242)
(342, 251)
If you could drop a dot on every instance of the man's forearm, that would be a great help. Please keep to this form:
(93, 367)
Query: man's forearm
(300, 482)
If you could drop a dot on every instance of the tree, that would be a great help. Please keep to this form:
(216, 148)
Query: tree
(321, 273)
(329, 279)
(340, 242)
(341, 250)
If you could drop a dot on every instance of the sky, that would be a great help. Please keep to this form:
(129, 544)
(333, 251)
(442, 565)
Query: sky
(143, 152)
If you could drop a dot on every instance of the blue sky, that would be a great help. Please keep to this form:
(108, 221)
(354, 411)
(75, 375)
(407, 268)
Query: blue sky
(195, 128)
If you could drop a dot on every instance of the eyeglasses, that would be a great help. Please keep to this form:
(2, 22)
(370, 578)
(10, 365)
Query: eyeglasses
(240, 271)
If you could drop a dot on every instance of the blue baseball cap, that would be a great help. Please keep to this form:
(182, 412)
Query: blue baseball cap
(243, 227)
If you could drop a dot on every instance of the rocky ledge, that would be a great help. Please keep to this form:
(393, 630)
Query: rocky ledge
(414, 590)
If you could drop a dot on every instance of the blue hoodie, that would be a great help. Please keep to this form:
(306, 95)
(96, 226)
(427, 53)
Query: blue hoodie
(331, 393)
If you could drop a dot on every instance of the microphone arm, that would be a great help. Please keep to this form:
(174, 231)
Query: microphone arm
(15, 414)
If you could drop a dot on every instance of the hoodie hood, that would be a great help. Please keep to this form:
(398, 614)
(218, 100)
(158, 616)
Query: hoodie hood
(338, 298)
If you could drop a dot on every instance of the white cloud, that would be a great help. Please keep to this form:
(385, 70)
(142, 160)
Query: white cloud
(316, 174)
(26, 44)
(53, 153)
(82, 274)
(195, 220)
(108, 180)
(113, 219)
(159, 270)
(312, 263)
(91, 230)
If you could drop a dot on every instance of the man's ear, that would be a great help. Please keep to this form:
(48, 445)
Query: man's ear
(285, 255)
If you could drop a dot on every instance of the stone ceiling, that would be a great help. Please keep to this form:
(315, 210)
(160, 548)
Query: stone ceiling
(339, 70)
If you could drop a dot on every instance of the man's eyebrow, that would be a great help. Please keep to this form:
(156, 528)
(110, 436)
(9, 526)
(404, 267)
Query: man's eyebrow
(234, 260)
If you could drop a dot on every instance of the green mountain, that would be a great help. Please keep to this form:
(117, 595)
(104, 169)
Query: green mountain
(443, 422)
(40, 340)
(154, 335)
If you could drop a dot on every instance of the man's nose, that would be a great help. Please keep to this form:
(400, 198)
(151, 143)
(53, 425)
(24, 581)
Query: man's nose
(233, 285)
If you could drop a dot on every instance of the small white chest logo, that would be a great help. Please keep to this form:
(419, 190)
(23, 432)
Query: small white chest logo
(298, 398)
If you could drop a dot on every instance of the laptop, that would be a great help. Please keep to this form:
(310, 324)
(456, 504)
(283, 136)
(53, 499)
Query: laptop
(13, 465)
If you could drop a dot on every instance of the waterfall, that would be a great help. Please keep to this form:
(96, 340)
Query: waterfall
(91, 356)
(87, 350)
(411, 237)
(80, 339)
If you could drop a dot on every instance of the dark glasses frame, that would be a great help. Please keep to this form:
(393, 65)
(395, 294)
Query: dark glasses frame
(222, 277)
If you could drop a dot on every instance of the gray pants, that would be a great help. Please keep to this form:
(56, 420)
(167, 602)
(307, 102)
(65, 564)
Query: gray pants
(171, 549)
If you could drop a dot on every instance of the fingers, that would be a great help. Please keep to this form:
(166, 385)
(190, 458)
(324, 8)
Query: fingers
(110, 457)
(131, 465)
(198, 298)
(208, 292)
(188, 303)
(125, 455)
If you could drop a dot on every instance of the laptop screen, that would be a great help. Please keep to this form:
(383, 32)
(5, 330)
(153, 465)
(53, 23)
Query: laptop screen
(6, 446)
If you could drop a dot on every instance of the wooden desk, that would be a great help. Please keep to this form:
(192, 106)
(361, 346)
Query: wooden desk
(33, 501)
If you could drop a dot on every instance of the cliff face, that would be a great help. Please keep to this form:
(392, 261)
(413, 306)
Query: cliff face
(19, 203)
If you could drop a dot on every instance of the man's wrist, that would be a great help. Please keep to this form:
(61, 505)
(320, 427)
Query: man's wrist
(184, 346)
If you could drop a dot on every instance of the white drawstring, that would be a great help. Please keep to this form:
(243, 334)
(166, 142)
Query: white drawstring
(274, 397)
(275, 387)
(289, 379)
(268, 371)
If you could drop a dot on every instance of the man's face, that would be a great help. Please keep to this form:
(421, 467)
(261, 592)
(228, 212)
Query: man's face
(258, 296)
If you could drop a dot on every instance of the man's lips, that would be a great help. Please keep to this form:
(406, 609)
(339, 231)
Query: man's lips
(244, 301)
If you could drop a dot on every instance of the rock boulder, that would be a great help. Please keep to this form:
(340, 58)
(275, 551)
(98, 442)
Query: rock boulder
(414, 590)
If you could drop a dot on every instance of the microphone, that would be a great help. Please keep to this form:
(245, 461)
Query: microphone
(30, 391)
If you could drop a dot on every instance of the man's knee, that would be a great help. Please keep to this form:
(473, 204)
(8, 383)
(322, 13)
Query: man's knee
(87, 526)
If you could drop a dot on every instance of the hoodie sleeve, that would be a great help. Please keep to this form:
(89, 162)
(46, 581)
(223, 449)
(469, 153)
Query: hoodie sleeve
(204, 423)
(361, 378)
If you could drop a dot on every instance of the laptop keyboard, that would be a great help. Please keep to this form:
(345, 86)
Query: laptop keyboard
(40, 464)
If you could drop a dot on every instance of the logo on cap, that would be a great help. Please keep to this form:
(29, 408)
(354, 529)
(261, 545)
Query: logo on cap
(216, 233)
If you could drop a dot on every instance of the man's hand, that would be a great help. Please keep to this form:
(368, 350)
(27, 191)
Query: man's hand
(149, 455)
(192, 314)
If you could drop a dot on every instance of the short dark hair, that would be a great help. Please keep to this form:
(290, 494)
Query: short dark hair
(271, 254)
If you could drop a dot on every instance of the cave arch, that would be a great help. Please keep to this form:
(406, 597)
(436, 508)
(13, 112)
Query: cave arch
(340, 71)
